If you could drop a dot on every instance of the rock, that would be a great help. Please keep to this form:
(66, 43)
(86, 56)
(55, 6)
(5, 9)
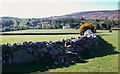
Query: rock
(61, 52)
(89, 34)
(40, 44)
(72, 62)
(78, 49)
(67, 63)
(56, 63)
(22, 56)
(54, 52)
(30, 50)
(3, 61)
(43, 44)
(25, 44)
(69, 43)
(43, 50)
(60, 60)
(58, 43)
(63, 40)
(33, 45)
(10, 60)
(68, 46)
(71, 56)
(71, 49)
(36, 55)
(75, 40)
(69, 52)
(47, 67)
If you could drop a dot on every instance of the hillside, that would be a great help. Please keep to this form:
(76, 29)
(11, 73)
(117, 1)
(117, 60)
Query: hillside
(73, 20)
(110, 14)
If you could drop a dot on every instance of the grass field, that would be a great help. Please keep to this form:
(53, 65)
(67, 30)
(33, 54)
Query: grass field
(45, 31)
(104, 62)
(21, 38)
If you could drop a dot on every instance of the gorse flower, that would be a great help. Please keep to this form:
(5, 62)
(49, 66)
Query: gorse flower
(86, 26)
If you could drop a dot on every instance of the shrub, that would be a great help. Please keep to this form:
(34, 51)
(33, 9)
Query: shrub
(86, 26)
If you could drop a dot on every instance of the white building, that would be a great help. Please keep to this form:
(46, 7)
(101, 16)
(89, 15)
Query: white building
(64, 27)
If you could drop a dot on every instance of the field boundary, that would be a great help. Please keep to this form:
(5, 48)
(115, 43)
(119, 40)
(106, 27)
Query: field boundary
(37, 33)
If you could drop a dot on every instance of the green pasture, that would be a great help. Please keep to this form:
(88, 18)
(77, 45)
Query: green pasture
(36, 38)
(21, 38)
(46, 31)
(104, 61)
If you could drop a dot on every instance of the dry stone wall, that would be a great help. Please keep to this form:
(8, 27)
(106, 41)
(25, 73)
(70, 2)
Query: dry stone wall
(63, 51)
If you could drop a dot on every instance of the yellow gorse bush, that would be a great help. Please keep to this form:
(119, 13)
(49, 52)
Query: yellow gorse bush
(86, 26)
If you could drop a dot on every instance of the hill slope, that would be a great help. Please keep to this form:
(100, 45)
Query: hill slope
(110, 14)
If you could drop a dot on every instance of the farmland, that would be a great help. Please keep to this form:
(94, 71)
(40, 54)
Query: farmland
(103, 63)
(21, 38)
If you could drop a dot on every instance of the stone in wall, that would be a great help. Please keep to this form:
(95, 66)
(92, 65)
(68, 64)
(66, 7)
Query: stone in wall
(64, 51)
(22, 56)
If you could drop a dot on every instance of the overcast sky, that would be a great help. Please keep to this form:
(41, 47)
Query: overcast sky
(46, 8)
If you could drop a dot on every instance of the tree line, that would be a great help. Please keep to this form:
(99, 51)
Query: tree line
(12, 23)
